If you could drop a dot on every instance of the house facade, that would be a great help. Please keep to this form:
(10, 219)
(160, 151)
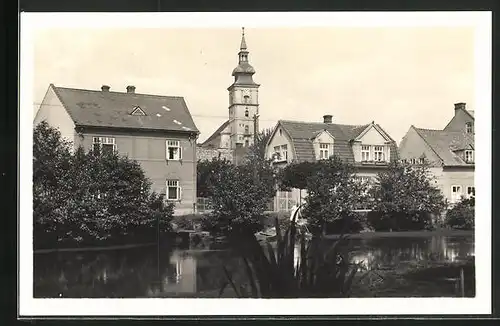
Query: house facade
(243, 110)
(449, 152)
(368, 147)
(156, 131)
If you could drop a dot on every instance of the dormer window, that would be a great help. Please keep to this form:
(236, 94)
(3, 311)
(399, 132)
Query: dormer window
(137, 111)
(468, 128)
(324, 152)
(469, 156)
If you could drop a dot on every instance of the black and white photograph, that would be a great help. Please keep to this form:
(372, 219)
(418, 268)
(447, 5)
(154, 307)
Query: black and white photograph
(188, 161)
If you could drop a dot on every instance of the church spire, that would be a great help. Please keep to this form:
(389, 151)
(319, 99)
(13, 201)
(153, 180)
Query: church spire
(244, 71)
(243, 45)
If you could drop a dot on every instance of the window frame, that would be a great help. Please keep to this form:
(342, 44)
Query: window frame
(470, 194)
(324, 151)
(173, 143)
(378, 150)
(104, 140)
(469, 127)
(178, 189)
(471, 159)
(458, 194)
(284, 152)
(366, 151)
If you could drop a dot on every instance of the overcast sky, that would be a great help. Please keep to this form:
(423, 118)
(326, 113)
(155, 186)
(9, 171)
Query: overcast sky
(394, 76)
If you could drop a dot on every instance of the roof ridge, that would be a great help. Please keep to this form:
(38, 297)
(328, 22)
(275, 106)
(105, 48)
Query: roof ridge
(322, 123)
(115, 92)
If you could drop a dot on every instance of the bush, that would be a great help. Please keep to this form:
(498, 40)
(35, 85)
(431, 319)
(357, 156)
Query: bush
(399, 221)
(351, 222)
(461, 216)
(189, 221)
(405, 198)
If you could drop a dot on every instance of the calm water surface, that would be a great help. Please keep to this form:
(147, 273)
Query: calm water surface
(147, 272)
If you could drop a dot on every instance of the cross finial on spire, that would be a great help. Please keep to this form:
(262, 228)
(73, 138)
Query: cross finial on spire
(243, 45)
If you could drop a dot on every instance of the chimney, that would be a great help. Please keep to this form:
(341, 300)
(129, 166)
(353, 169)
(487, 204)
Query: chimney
(131, 89)
(327, 118)
(105, 88)
(460, 105)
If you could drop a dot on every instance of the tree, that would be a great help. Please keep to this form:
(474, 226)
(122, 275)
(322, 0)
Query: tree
(461, 215)
(333, 192)
(405, 198)
(258, 148)
(296, 175)
(206, 169)
(91, 196)
(240, 195)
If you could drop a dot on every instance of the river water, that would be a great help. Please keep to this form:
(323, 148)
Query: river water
(173, 272)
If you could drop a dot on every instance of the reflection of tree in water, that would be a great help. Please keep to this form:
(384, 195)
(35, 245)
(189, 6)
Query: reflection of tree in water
(117, 273)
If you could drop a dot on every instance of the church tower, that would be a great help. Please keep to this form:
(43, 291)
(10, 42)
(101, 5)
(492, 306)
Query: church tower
(243, 101)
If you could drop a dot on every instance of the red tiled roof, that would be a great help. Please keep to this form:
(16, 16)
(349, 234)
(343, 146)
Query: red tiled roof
(112, 110)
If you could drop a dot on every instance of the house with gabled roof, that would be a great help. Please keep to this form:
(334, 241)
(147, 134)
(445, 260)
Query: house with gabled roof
(449, 152)
(368, 147)
(156, 131)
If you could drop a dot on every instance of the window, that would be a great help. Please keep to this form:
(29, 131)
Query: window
(456, 193)
(104, 144)
(246, 113)
(421, 160)
(173, 190)
(365, 153)
(281, 133)
(246, 99)
(174, 150)
(284, 152)
(378, 153)
(468, 128)
(323, 151)
(247, 143)
(413, 161)
(469, 156)
(277, 154)
(247, 130)
(471, 191)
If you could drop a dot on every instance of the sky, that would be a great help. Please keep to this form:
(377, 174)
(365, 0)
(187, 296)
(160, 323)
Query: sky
(397, 77)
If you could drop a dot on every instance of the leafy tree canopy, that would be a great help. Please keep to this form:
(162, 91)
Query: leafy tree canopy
(85, 196)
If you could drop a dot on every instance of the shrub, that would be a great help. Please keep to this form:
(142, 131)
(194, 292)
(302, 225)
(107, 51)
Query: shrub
(333, 192)
(351, 222)
(404, 198)
(461, 215)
